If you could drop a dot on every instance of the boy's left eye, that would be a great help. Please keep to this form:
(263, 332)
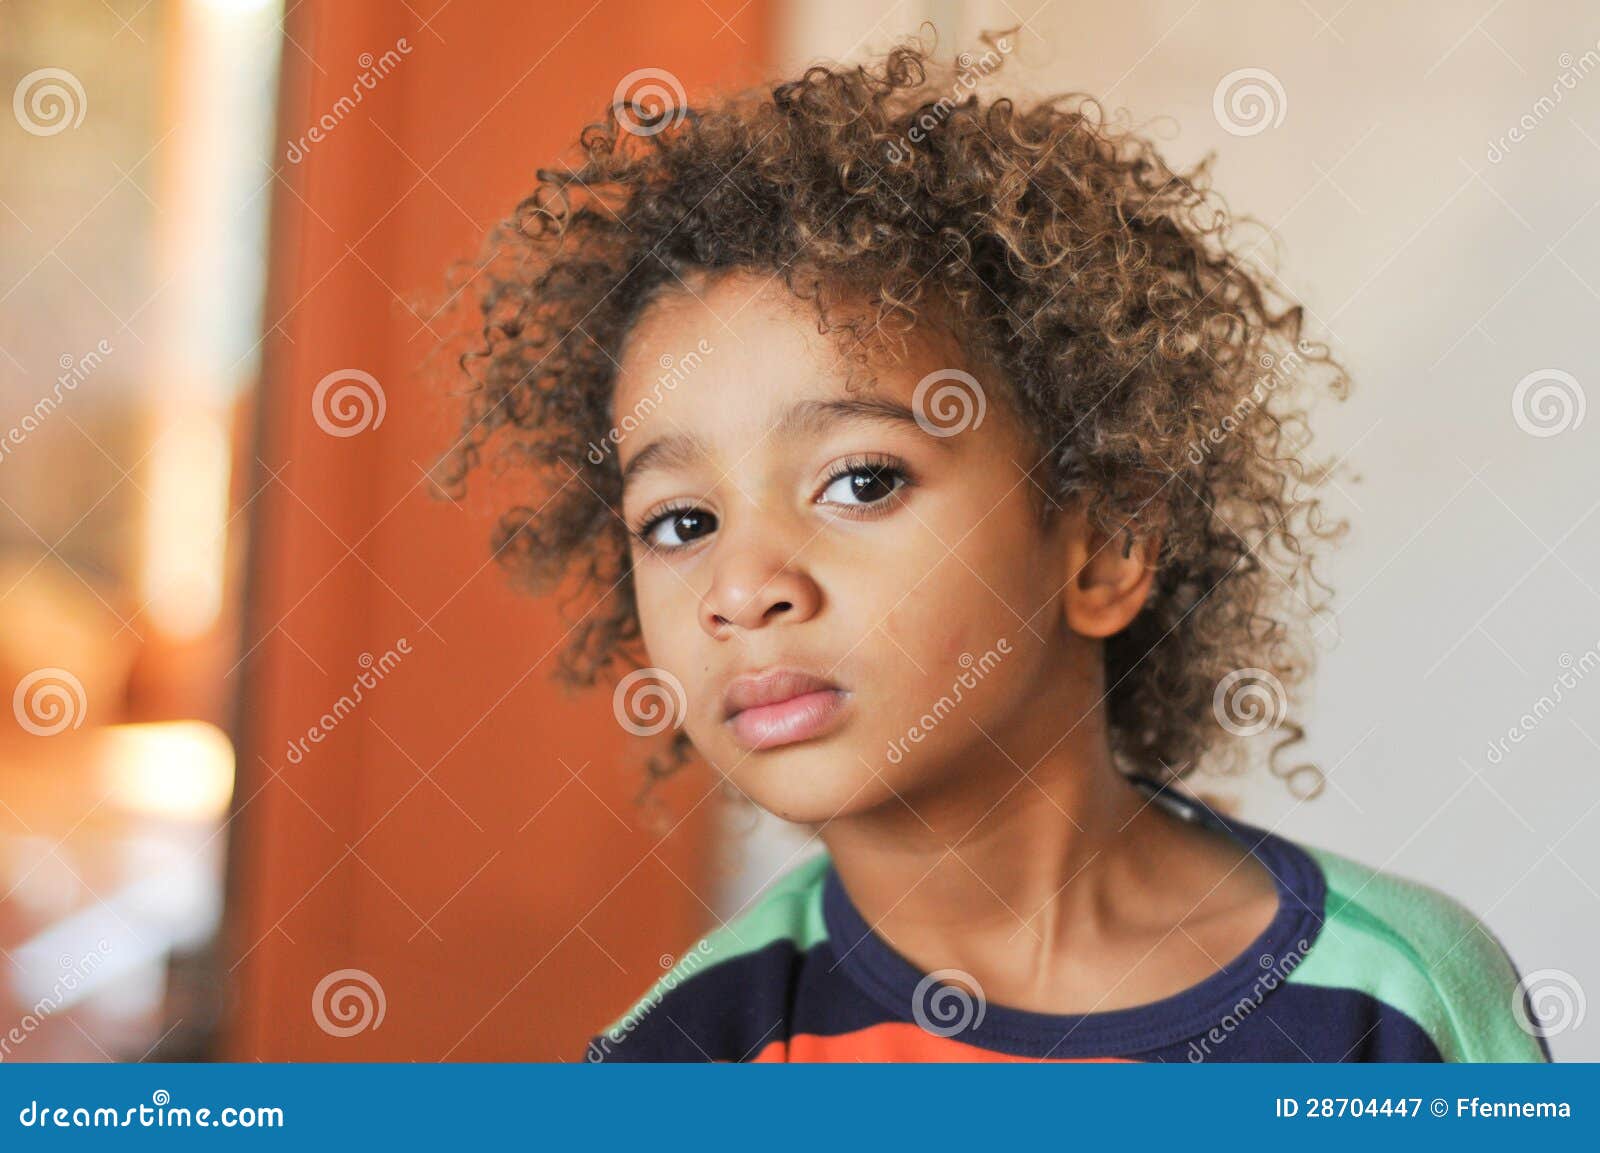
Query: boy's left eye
(863, 485)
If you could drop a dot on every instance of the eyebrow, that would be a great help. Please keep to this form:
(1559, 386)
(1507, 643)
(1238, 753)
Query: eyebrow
(804, 417)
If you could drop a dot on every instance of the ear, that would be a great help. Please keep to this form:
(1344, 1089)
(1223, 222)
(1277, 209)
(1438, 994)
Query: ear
(1108, 576)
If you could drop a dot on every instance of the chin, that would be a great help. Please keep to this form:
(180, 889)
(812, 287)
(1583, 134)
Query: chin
(809, 783)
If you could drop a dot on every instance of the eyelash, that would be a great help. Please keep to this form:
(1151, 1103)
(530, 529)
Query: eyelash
(884, 465)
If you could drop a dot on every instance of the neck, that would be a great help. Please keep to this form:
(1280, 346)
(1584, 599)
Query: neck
(999, 855)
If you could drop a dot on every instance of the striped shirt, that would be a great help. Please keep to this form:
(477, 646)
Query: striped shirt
(1356, 965)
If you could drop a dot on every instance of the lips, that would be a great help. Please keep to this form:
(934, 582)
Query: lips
(781, 707)
(770, 688)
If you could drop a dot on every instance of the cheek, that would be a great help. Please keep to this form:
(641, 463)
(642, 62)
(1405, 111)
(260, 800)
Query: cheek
(956, 633)
(661, 619)
(970, 616)
(949, 616)
(669, 626)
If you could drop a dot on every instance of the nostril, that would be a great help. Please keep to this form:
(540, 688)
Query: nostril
(780, 607)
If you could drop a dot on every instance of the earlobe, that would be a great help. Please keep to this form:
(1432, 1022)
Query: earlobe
(1109, 579)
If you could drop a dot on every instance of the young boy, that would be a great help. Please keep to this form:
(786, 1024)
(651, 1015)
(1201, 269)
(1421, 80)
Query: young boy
(933, 453)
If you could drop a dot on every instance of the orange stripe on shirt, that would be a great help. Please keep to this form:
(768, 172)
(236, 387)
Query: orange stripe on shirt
(893, 1041)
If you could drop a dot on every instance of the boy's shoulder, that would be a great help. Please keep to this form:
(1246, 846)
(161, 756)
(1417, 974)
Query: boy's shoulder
(722, 999)
(1424, 953)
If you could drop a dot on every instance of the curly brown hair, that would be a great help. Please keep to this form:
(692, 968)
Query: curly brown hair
(1153, 359)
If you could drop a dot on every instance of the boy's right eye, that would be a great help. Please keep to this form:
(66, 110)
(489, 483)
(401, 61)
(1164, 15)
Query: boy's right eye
(677, 528)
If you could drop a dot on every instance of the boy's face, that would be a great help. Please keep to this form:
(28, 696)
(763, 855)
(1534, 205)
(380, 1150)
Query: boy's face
(906, 573)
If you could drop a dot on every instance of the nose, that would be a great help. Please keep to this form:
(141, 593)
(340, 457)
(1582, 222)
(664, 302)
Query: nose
(754, 588)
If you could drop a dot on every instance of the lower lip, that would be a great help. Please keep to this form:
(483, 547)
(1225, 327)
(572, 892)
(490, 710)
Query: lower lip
(786, 722)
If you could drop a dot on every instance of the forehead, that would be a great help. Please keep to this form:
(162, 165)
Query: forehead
(727, 358)
(741, 337)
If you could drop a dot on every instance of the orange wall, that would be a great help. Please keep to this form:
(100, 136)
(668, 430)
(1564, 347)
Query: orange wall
(492, 936)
